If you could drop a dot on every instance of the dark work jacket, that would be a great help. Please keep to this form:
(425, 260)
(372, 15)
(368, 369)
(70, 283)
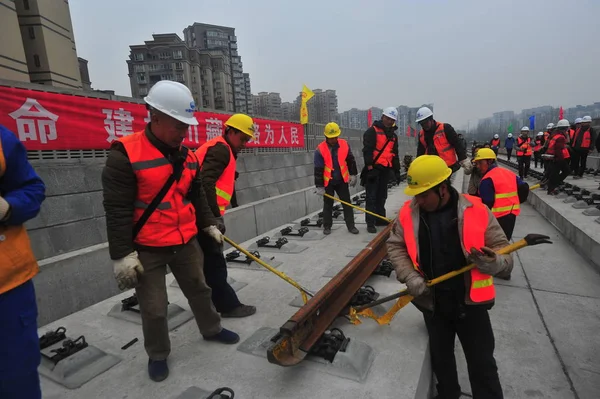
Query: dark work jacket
(453, 140)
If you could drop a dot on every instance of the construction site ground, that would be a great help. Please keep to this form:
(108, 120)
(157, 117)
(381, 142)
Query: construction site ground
(545, 320)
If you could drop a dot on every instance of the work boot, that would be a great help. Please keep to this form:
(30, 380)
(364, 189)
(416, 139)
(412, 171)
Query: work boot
(224, 337)
(353, 230)
(158, 370)
(240, 311)
(327, 231)
(372, 229)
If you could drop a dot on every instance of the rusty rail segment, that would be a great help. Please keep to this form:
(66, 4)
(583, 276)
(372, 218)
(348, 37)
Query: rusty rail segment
(298, 335)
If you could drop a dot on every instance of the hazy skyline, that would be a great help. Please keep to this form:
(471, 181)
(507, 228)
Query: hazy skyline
(469, 58)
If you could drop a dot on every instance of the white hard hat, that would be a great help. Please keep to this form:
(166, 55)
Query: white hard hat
(586, 119)
(577, 120)
(423, 113)
(173, 99)
(563, 123)
(496, 136)
(540, 133)
(509, 135)
(524, 129)
(549, 126)
(391, 112)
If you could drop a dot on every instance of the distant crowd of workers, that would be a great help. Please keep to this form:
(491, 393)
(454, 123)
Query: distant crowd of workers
(165, 203)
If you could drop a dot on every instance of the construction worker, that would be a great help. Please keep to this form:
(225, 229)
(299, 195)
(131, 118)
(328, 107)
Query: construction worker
(474, 173)
(451, 230)
(140, 169)
(437, 138)
(21, 195)
(547, 133)
(537, 149)
(217, 160)
(509, 143)
(380, 153)
(524, 152)
(495, 143)
(499, 189)
(558, 156)
(335, 171)
(581, 146)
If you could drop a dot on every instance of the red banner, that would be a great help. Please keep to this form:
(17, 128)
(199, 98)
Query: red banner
(50, 121)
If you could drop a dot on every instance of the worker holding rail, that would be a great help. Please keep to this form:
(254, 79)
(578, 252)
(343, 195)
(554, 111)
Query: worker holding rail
(439, 231)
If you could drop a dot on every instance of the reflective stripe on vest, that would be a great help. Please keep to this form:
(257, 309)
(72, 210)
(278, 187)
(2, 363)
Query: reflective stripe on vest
(17, 261)
(387, 155)
(586, 141)
(443, 148)
(524, 142)
(481, 286)
(551, 145)
(173, 222)
(225, 184)
(342, 154)
(506, 197)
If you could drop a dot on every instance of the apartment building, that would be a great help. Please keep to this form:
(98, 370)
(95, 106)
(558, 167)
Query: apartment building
(267, 105)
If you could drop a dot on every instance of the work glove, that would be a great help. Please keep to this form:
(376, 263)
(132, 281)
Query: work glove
(4, 209)
(214, 233)
(467, 165)
(416, 285)
(487, 261)
(221, 224)
(320, 191)
(353, 180)
(126, 271)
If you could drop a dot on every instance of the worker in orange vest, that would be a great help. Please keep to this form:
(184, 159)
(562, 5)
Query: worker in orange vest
(21, 195)
(217, 159)
(437, 138)
(335, 171)
(558, 156)
(495, 143)
(524, 152)
(582, 145)
(441, 230)
(537, 149)
(380, 153)
(146, 232)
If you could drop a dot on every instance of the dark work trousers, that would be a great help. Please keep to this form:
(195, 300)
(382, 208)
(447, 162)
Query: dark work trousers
(376, 190)
(507, 222)
(578, 161)
(537, 157)
(508, 153)
(557, 173)
(215, 272)
(343, 192)
(524, 163)
(474, 329)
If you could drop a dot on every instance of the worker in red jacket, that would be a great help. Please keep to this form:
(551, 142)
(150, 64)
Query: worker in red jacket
(558, 155)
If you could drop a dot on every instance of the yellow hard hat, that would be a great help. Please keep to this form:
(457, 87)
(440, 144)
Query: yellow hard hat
(425, 172)
(332, 130)
(241, 122)
(484, 153)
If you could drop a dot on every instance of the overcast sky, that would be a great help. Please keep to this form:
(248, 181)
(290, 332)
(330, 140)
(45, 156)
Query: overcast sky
(469, 57)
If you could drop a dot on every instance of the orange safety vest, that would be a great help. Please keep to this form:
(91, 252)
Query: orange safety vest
(174, 220)
(538, 145)
(342, 154)
(17, 262)
(506, 196)
(571, 134)
(551, 145)
(527, 143)
(444, 149)
(480, 287)
(226, 182)
(495, 142)
(586, 141)
(387, 155)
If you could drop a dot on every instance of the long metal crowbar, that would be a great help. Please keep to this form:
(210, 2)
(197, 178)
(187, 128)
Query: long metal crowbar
(357, 207)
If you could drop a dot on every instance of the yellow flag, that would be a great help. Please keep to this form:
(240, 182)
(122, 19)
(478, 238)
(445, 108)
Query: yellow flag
(307, 94)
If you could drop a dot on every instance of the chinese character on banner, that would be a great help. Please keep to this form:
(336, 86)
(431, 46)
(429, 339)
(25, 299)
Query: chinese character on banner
(214, 128)
(295, 139)
(118, 123)
(148, 118)
(256, 139)
(282, 137)
(270, 134)
(34, 122)
(193, 136)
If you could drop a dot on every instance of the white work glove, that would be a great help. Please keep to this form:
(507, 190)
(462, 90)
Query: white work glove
(214, 233)
(4, 208)
(353, 180)
(221, 224)
(126, 271)
(416, 285)
(467, 165)
(320, 191)
(487, 261)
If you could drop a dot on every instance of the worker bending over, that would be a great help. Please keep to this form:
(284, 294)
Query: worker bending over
(335, 170)
(217, 160)
(438, 231)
